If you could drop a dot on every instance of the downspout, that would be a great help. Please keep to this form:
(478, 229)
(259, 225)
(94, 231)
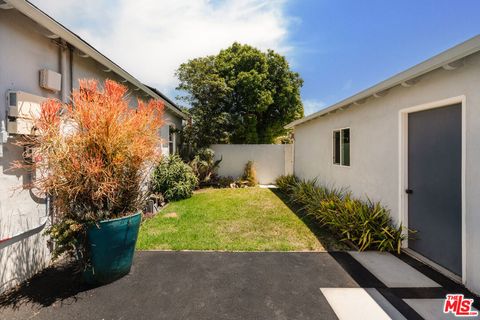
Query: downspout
(63, 71)
(71, 52)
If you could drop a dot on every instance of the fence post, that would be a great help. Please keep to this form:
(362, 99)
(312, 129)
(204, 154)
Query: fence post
(288, 149)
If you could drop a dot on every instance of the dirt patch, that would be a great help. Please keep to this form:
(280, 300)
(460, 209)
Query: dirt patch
(171, 215)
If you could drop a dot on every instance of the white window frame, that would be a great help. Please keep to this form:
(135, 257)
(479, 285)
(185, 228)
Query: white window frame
(341, 149)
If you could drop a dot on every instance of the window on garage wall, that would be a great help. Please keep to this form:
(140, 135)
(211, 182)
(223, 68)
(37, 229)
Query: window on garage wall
(341, 147)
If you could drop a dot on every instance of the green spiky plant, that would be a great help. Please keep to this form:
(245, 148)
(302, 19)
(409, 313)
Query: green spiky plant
(363, 224)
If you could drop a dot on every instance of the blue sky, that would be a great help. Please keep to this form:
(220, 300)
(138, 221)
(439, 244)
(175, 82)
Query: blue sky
(342, 47)
(339, 47)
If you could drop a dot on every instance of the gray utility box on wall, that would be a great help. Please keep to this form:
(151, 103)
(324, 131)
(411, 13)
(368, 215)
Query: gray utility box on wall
(50, 80)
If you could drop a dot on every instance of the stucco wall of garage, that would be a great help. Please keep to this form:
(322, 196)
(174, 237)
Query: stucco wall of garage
(24, 50)
(374, 125)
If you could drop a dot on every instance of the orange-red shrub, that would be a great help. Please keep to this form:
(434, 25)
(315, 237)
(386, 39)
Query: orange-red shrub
(91, 155)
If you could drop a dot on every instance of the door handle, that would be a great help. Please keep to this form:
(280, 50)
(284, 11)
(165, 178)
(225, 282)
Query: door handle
(408, 191)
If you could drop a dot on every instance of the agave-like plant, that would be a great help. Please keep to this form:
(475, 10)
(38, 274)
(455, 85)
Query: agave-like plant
(205, 166)
(285, 182)
(91, 156)
(363, 224)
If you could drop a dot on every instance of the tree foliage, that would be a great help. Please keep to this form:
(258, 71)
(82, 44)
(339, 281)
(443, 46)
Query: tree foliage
(241, 95)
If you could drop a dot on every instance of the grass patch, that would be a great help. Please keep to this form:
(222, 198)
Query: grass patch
(250, 219)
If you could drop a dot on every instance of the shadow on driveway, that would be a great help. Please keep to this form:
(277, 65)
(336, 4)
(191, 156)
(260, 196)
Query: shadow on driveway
(58, 283)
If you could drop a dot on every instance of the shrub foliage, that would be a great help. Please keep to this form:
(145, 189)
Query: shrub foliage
(205, 166)
(173, 178)
(363, 224)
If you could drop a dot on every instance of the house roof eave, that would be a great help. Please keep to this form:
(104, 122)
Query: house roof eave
(40, 17)
(444, 59)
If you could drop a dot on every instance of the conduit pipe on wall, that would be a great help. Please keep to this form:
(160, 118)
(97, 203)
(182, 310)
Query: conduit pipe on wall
(70, 52)
(3, 136)
(5, 242)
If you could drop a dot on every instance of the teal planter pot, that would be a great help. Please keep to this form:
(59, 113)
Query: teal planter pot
(112, 245)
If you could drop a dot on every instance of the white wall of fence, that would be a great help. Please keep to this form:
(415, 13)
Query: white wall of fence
(270, 160)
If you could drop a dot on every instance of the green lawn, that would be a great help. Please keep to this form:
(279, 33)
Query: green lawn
(250, 219)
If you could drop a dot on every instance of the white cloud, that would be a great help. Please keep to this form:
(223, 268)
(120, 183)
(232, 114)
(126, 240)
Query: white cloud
(311, 106)
(151, 38)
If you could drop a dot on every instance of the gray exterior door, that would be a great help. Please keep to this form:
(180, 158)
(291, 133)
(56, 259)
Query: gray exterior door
(434, 185)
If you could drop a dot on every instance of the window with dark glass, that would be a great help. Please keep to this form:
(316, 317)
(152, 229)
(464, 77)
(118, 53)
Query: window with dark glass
(171, 139)
(336, 147)
(341, 147)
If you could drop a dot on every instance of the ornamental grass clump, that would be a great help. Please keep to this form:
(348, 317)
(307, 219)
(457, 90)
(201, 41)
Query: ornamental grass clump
(362, 224)
(91, 157)
(250, 174)
(286, 182)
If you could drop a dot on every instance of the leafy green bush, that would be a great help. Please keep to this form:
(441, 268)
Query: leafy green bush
(173, 178)
(364, 224)
(204, 166)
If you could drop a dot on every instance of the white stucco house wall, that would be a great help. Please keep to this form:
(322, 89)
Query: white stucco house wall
(32, 41)
(411, 142)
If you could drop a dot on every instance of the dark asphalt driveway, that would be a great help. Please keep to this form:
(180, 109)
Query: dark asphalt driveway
(191, 285)
(240, 285)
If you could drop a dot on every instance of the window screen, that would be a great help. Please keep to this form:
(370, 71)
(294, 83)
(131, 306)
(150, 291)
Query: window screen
(336, 147)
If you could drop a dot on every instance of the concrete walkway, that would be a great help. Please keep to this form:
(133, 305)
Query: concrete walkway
(256, 285)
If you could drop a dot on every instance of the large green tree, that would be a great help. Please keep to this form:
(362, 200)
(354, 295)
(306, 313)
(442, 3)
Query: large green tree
(241, 95)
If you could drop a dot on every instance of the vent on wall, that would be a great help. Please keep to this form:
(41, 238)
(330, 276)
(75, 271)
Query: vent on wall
(50, 80)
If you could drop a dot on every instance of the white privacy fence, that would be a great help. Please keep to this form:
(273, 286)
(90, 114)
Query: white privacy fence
(270, 160)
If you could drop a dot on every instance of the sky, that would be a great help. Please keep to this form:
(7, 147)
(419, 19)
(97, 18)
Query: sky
(339, 47)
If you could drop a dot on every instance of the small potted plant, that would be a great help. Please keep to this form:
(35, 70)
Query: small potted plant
(91, 158)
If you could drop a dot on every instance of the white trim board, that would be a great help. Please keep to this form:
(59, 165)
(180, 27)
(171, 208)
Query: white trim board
(403, 168)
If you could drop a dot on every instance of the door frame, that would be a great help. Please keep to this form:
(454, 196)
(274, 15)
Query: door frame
(403, 177)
